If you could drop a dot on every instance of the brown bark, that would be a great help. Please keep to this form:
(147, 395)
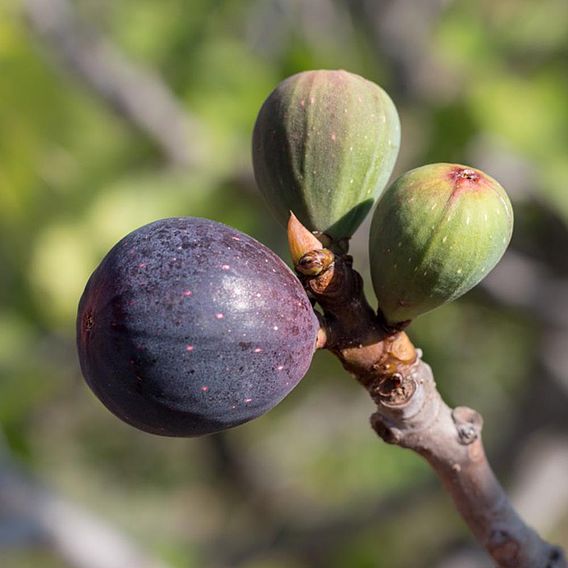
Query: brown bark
(450, 440)
(410, 411)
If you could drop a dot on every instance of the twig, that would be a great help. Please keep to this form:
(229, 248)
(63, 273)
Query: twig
(451, 442)
(410, 411)
(539, 492)
(134, 92)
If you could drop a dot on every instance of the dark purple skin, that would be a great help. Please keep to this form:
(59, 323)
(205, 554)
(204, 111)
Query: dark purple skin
(188, 327)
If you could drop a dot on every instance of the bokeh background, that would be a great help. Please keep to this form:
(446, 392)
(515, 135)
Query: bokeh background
(114, 113)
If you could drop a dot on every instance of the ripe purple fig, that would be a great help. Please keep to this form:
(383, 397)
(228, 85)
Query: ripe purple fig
(324, 146)
(437, 231)
(188, 327)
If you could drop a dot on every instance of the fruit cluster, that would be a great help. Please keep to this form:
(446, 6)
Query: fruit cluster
(188, 327)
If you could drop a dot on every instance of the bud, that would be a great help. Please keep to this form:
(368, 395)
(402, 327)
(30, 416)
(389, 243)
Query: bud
(300, 240)
(324, 146)
(437, 231)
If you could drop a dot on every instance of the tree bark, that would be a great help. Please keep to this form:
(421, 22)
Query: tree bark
(450, 440)
(410, 411)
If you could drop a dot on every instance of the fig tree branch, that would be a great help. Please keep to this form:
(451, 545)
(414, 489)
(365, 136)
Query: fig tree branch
(450, 440)
(410, 411)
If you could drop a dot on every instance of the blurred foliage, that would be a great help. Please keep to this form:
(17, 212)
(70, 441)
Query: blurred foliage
(75, 177)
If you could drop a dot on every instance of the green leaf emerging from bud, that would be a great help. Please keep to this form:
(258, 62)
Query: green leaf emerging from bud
(437, 231)
(324, 146)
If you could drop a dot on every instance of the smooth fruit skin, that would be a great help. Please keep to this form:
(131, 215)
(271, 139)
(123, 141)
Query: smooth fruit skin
(437, 231)
(188, 327)
(324, 146)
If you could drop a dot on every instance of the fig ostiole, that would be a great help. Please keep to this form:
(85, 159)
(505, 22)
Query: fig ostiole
(437, 231)
(324, 147)
(188, 327)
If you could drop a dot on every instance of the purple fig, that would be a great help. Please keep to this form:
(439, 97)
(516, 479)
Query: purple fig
(188, 327)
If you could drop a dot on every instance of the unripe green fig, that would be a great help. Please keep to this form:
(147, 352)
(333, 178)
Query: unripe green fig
(324, 146)
(436, 232)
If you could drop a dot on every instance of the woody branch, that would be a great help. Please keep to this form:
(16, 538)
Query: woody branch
(410, 411)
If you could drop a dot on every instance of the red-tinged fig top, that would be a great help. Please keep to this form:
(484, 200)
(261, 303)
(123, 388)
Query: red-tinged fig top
(461, 175)
(467, 179)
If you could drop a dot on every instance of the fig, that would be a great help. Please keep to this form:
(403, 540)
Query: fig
(324, 146)
(188, 327)
(437, 231)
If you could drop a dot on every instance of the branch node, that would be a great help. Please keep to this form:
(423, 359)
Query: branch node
(468, 424)
(389, 434)
(504, 548)
(315, 262)
(321, 339)
(394, 390)
(556, 558)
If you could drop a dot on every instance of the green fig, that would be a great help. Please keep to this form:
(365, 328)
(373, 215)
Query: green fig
(436, 232)
(324, 146)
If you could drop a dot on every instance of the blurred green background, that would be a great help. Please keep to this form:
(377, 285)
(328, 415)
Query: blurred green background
(114, 113)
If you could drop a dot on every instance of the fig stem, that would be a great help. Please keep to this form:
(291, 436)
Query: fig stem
(412, 414)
